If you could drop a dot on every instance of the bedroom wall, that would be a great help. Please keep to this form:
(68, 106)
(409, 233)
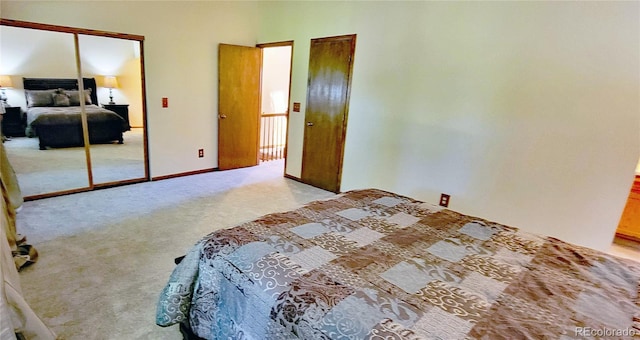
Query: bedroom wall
(527, 113)
(180, 51)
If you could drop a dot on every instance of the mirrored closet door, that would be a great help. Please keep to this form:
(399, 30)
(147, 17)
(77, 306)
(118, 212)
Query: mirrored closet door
(73, 138)
(115, 64)
(29, 53)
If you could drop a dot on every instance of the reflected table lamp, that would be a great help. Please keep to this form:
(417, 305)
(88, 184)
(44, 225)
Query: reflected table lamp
(111, 82)
(5, 82)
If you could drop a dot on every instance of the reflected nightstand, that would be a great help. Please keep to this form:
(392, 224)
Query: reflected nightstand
(13, 122)
(121, 109)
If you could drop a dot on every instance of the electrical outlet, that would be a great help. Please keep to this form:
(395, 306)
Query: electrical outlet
(444, 200)
(200, 153)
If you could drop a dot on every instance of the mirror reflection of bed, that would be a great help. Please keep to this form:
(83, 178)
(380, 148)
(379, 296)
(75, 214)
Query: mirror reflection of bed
(43, 54)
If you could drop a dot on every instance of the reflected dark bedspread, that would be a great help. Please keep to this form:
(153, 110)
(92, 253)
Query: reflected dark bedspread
(62, 126)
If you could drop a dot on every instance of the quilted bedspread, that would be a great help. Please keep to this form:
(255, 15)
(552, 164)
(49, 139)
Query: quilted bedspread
(370, 264)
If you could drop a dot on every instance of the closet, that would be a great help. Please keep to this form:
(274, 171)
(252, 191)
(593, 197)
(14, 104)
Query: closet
(36, 50)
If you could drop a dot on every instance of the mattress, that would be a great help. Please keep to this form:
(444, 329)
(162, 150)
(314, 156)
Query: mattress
(370, 264)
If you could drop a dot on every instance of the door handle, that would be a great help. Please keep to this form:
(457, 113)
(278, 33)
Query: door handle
(222, 116)
(309, 124)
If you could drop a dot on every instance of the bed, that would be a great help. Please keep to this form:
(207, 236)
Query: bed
(54, 114)
(370, 264)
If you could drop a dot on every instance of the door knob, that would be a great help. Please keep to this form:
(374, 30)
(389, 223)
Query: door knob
(222, 116)
(309, 124)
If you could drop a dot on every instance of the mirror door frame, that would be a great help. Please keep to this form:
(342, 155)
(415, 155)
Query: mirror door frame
(84, 31)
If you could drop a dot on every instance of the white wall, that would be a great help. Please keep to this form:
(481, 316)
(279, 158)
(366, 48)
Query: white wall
(527, 113)
(181, 57)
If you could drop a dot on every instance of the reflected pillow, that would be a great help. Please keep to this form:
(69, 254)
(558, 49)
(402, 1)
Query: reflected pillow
(60, 99)
(74, 97)
(39, 97)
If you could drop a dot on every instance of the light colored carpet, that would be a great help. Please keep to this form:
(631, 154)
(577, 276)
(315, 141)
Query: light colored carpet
(57, 169)
(105, 255)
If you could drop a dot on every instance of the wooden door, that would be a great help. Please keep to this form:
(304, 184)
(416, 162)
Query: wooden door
(330, 65)
(630, 221)
(238, 106)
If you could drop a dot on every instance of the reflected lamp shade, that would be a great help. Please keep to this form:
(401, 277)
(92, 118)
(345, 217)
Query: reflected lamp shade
(111, 82)
(5, 82)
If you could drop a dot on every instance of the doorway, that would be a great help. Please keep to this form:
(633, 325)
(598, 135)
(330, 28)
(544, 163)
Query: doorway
(253, 105)
(275, 89)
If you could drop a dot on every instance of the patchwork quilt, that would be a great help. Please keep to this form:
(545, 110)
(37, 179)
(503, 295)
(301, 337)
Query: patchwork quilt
(370, 264)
